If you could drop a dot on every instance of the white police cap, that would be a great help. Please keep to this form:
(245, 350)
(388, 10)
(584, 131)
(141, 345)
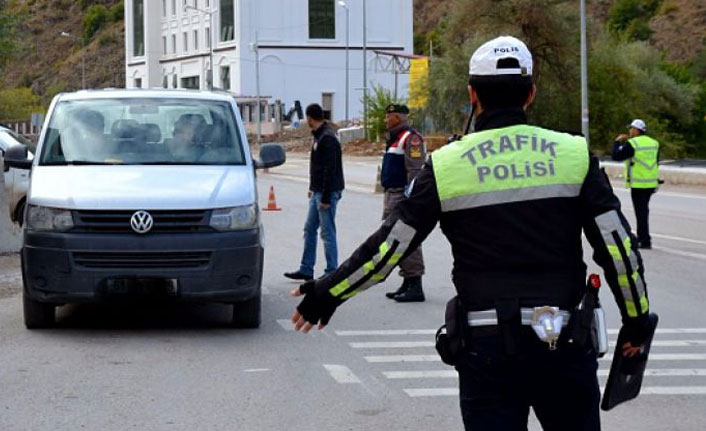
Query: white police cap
(638, 124)
(484, 61)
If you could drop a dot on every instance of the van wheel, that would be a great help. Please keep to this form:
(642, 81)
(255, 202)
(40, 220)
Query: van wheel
(246, 314)
(38, 314)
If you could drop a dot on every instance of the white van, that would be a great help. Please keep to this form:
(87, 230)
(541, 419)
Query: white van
(142, 192)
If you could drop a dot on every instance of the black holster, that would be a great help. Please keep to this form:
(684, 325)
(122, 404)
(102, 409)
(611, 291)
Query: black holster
(453, 342)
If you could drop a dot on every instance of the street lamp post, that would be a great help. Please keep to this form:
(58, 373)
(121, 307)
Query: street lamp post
(345, 6)
(210, 42)
(83, 56)
(584, 73)
(365, 72)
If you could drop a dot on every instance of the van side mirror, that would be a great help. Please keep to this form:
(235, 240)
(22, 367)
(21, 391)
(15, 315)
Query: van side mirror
(271, 155)
(16, 157)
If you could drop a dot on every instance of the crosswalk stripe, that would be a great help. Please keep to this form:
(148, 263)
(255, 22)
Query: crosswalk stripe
(391, 344)
(415, 344)
(403, 358)
(648, 390)
(666, 372)
(435, 358)
(341, 373)
(428, 374)
(393, 332)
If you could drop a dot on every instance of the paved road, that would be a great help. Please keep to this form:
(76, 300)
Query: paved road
(178, 367)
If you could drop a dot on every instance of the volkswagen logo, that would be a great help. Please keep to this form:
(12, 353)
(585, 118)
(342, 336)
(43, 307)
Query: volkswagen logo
(141, 222)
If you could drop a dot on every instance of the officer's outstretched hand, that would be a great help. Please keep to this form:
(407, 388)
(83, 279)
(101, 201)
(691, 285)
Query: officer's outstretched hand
(316, 308)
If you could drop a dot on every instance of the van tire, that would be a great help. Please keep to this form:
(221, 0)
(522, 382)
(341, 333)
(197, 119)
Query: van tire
(37, 314)
(246, 314)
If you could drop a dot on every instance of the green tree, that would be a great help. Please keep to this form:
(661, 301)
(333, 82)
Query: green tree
(377, 102)
(96, 16)
(18, 104)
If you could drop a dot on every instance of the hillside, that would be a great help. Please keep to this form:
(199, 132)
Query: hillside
(48, 63)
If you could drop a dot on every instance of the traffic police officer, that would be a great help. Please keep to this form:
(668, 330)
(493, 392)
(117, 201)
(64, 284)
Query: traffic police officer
(640, 153)
(405, 154)
(513, 200)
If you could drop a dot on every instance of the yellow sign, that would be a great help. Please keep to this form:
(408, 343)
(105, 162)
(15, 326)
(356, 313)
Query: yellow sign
(418, 82)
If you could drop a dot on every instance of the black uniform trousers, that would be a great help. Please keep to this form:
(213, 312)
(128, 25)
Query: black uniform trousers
(497, 391)
(641, 204)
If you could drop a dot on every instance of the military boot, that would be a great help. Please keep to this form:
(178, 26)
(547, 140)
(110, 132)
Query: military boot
(402, 289)
(414, 292)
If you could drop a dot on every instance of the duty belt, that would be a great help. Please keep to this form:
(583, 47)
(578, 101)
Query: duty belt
(490, 317)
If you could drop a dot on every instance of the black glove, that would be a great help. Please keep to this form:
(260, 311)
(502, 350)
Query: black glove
(637, 329)
(318, 304)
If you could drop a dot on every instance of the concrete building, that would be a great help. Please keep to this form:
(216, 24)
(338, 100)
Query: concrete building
(301, 46)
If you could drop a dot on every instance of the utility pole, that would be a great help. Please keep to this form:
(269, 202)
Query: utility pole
(345, 6)
(83, 56)
(365, 71)
(584, 73)
(257, 86)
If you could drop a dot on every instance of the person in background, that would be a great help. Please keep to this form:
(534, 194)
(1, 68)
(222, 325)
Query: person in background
(325, 187)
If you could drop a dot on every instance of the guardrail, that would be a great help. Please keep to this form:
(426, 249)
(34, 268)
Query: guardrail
(672, 172)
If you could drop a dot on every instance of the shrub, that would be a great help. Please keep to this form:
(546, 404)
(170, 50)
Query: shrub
(95, 18)
(117, 12)
(377, 102)
(18, 103)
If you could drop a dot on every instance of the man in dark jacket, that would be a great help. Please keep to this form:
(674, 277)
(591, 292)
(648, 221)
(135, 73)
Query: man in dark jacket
(325, 187)
(513, 200)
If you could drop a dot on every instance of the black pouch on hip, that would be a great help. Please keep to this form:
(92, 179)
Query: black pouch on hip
(451, 337)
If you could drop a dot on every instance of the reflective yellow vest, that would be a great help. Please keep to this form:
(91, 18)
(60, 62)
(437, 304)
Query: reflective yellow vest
(510, 164)
(642, 171)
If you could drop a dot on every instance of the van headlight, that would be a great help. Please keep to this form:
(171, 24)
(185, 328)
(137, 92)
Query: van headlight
(48, 219)
(236, 218)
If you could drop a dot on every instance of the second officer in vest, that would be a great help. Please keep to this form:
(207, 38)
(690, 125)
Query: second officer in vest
(513, 200)
(641, 154)
(405, 154)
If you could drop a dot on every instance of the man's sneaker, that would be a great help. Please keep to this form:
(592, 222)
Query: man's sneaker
(414, 292)
(402, 289)
(298, 275)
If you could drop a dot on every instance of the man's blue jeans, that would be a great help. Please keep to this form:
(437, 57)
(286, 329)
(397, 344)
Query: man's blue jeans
(325, 219)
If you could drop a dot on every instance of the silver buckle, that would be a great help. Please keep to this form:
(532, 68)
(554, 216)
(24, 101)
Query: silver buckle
(547, 323)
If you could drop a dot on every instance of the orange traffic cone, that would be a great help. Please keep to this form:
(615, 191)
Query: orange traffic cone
(271, 202)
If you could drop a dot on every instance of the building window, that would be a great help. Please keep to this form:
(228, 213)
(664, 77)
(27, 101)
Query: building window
(164, 44)
(174, 44)
(174, 81)
(225, 77)
(164, 8)
(186, 41)
(322, 19)
(196, 40)
(138, 82)
(165, 81)
(208, 3)
(227, 20)
(173, 7)
(138, 28)
(327, 105)
(208, 37)
(190, 82)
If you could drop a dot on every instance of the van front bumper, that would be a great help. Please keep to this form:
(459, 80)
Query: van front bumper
(86, 267)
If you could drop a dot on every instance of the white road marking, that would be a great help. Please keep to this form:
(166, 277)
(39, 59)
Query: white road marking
(678, 238)
(673, 343)
(668, 357)
(432, 392)
(391, 344)
(667, 372)
(427, 374)
(679, 252)
(386, 332)
(10, 276)
(286, 324)
(404, 358)
(394, 332)
(648, 390)
(341, 373)
(256, 370)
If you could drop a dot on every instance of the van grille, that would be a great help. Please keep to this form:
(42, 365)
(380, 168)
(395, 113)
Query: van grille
(165, 221)
(152, 260)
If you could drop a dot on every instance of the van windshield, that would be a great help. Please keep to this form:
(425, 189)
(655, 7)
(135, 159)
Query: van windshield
(136, 131)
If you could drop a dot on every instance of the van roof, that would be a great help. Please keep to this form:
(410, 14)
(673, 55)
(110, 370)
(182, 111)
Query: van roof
(114, 93)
